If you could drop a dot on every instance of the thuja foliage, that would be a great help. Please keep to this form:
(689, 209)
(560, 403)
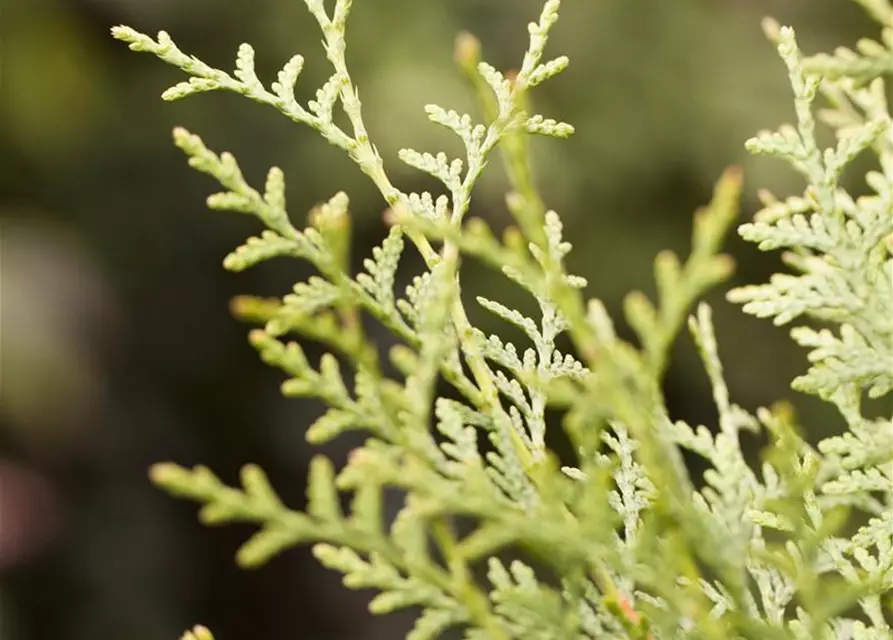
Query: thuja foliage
(624, 543)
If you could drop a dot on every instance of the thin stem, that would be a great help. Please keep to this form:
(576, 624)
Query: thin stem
(463, 585)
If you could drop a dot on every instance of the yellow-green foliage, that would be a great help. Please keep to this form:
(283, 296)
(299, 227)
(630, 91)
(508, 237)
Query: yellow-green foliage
(626, 543)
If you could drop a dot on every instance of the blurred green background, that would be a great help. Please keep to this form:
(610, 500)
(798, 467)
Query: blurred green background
(117, 346)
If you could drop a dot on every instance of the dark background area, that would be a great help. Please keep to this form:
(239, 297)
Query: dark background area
(117, 347)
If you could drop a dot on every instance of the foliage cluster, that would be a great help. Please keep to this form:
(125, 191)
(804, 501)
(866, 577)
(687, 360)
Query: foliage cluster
(624, 543)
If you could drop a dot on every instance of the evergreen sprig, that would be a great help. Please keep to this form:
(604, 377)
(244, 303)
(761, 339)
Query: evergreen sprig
(625, 543)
